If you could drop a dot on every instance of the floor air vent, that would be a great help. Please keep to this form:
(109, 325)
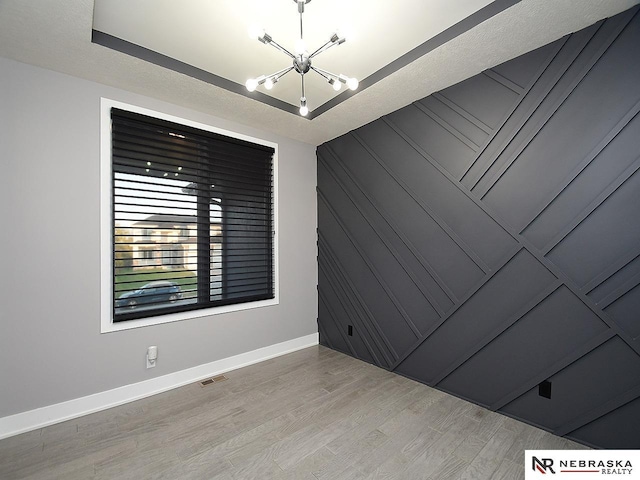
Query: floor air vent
(209, 381)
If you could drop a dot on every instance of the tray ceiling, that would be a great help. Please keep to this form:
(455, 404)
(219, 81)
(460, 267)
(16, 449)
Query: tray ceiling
(212, 36)
(474, 36)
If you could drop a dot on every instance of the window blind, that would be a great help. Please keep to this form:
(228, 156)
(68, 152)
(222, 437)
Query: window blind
(192, 218)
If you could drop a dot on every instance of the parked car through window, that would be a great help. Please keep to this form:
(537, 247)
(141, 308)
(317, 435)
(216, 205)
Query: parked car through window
(151, 293)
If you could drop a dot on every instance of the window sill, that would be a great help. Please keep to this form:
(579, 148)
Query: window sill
(108, 325)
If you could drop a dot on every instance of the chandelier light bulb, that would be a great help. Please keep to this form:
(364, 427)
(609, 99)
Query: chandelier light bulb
(304, 110)
(251, 84)
(301, 47)
(352, 83)
(268, 84)
(335, 83)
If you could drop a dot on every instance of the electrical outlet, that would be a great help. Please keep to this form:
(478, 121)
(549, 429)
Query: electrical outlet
(152, 356)
(544, 389)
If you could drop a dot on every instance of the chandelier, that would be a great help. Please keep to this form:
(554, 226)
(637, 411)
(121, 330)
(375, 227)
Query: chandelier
(301, 62)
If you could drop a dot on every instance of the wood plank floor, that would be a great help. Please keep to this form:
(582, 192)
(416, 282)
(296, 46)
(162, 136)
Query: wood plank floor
(313, 414)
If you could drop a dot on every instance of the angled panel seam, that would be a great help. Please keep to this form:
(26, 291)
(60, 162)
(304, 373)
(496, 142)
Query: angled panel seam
(620, 292)
(561, 364)
(439, 96)
(328, 270)
(499, 330)
(387, 218)
(462, 301)
(504, 81)
(481, 264)
(372, 268)
(590, 304)
(494, 133)
(597, 150)
(592, 207)
(449, 177)
(427, 295)
(436, 218)
(473, 146)
(599, 411)
(614, 268)
(553, 108)
(352, 294)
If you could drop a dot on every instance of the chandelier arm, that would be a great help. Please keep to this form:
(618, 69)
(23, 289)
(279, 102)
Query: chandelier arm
(277, 46)
(303, 95)
(280, 73)
(321, 49)
(326, 74)
(283, 74)
(322, 73)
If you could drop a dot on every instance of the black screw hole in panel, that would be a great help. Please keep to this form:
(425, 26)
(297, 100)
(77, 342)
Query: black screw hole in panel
(544, 389)
(350, 330)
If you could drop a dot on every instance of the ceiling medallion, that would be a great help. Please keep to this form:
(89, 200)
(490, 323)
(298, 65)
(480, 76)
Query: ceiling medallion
(301, 62)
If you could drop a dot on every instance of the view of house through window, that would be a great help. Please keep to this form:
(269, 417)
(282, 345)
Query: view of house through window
(192, 218)
(157, 243)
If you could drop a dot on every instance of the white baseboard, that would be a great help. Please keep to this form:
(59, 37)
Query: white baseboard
(60, 412)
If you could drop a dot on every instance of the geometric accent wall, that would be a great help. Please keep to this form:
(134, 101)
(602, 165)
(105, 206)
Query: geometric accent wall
(486, 239)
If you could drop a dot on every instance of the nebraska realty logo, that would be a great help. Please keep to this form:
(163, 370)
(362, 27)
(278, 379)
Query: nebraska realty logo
(582, 464)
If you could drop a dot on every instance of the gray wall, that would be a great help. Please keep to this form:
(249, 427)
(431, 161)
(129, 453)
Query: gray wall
(487, 238)
(51, 349)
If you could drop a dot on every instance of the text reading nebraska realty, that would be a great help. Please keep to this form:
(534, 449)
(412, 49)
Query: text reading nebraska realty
(582, 464)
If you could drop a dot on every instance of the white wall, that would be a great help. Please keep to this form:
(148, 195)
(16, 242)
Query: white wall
(51, 349)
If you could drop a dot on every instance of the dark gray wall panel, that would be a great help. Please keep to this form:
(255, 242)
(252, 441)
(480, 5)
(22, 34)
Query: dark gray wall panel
(516, 201)
(334, 331)
(558, 58)
(453, 151)
(617, 284)
(616, 430)
(416, 223)
(457, 120)
(542, 337)
(478, 231)
(487, 237)
(605, 373)
(480, 318)
(554, 84)
(339, 313)
(523, 69)
(388, 232)
(626, 312)
(603, 237)
(385, 313)
(613, 165)
(490, 107)
(366, 241)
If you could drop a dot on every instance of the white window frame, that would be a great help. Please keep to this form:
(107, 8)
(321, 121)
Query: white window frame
(106, 224)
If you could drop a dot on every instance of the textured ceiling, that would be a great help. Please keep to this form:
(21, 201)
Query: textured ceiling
(57, 35)
(212, 36)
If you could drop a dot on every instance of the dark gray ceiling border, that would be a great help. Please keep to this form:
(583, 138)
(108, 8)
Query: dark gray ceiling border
(440, 39)
(151, 56)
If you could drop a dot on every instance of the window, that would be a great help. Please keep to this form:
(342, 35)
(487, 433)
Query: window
(192, 220)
